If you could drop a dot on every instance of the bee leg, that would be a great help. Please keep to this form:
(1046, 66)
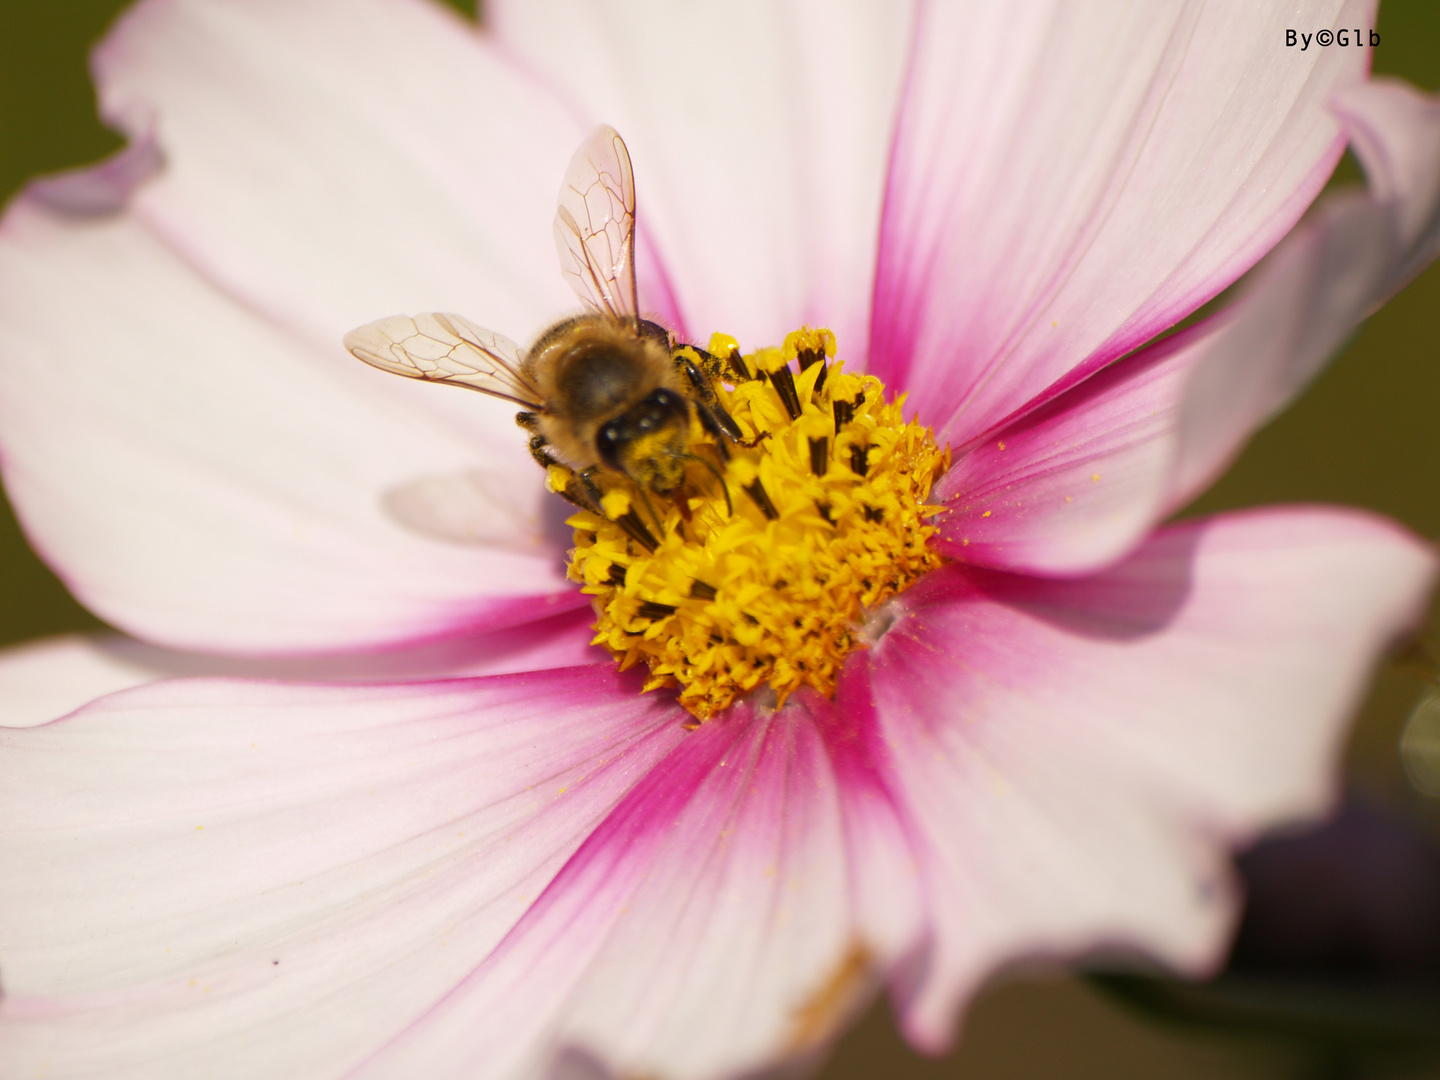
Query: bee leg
(682, 503)
(592, 489)
(709, 364)
(538, 442)
(713, 419)
(542, 456)
(713, 416)
(585, 495)
(633, 524)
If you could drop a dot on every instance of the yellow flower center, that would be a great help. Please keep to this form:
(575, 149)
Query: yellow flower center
(766, 580)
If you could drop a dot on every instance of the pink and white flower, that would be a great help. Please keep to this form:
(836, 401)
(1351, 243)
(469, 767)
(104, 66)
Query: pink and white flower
(1051, 748)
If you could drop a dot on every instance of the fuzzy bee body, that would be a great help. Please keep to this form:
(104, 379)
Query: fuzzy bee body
(612, 397)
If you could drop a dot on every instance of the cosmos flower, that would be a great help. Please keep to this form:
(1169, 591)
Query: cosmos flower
(1045, 745)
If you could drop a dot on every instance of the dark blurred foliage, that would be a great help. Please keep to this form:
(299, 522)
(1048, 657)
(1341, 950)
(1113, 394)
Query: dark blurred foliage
(1357, 898)
(1335, 968)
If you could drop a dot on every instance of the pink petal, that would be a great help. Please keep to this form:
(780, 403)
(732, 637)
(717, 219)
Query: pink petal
(1078, 755)
(1066, 183)
(1395, 130)
(759, 134)
(242, 880)
(718, 919)
(1337, 268)
(330, 162)
(200, 478)
(1077, 483)
(1074, 485)
(43, 680)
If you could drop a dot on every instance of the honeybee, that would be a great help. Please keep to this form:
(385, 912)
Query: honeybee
(604, 390)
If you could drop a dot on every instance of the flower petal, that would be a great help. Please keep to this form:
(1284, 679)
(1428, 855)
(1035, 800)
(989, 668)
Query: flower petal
(1395, 130)
(733, 909)
(759, 133)
(1067, 183)
(239, 880)
(1073, 485)
(330, 162)
(1337, 268)
(1077, 755)
(43, 680)
(201, 479)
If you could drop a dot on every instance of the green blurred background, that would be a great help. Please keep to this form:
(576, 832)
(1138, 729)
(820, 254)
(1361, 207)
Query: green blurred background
(1366, 434)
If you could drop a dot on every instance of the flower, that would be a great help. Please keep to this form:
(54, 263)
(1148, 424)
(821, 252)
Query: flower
(1049, 744)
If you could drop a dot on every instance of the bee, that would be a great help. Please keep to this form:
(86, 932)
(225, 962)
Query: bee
(603, 390)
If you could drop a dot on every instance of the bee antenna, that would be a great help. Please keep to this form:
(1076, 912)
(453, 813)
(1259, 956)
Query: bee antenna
(729, 506)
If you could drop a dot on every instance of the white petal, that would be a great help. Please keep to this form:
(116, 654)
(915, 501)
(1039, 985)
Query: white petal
(759, 133)
(1335, 269)
(202, 479)
(335, 161)
(1395, 130)
(1080, 754)
(44, 680)
(323, 163)
(1068, 181)
(243, 880)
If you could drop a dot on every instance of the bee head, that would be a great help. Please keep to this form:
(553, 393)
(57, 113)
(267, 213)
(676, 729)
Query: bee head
(648, 441)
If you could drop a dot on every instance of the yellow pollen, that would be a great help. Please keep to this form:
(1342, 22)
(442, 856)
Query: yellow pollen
(826, 519)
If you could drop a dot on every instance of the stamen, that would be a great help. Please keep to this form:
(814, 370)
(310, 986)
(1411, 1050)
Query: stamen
(785, 383)
(635, 526)
(859, 463)
(763, 596)
(819, 455)
(757, 492)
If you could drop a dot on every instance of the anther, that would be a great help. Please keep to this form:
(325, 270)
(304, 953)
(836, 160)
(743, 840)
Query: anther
(844, 413)
(701, 591)
(784, 382)
(637, 530)
(757, 493)
(874, 514)
(819, 455)
(737, 365)
(859, 459)
(807, 358)
(616, 576)
(652, 610)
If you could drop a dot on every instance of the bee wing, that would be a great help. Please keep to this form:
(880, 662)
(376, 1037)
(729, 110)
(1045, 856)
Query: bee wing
(595, 225)
(446, 349)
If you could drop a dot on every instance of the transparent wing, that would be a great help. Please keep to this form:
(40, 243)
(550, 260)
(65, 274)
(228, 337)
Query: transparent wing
(595, 225)
(446, 349)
